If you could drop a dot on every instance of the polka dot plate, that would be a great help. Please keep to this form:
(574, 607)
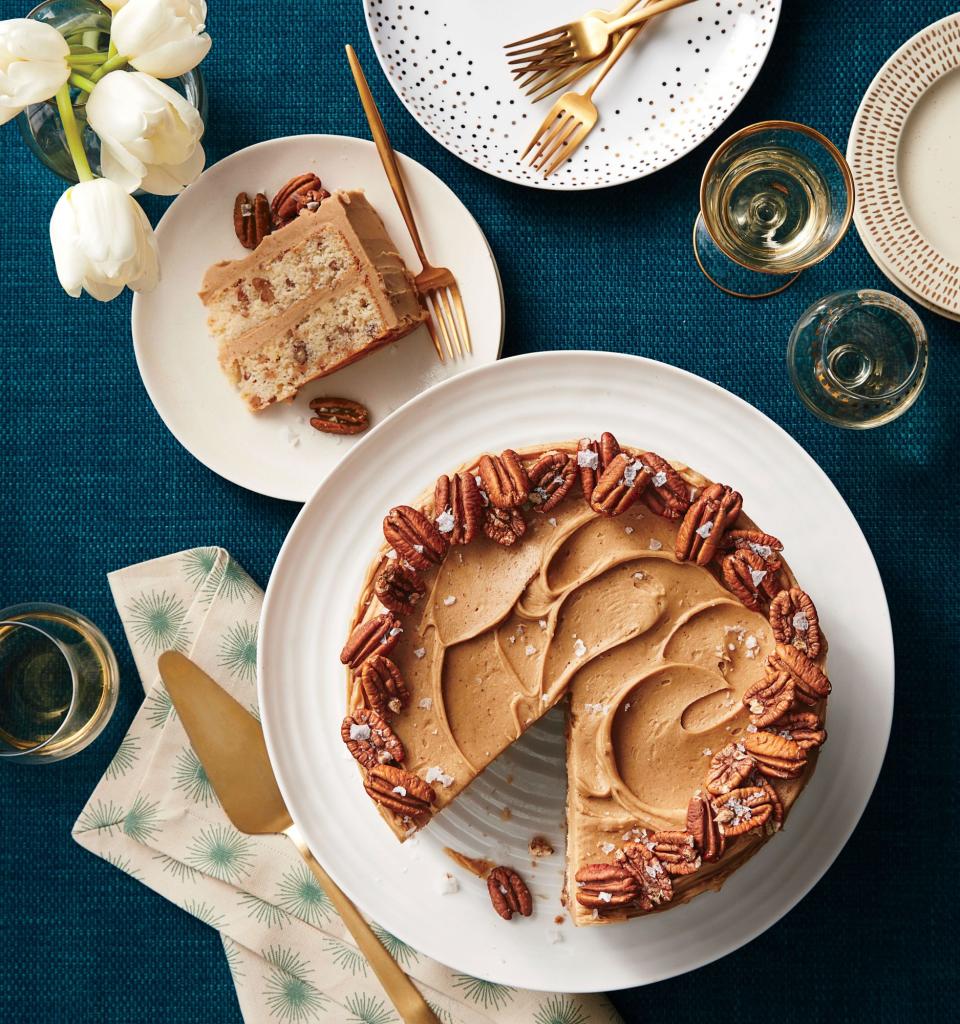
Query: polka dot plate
(677, 83)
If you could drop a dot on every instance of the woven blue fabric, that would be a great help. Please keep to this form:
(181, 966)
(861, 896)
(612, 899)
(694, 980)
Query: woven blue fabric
(91, 481)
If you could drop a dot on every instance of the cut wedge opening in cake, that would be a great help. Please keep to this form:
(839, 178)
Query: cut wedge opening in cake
(314, 296)
(637, 594)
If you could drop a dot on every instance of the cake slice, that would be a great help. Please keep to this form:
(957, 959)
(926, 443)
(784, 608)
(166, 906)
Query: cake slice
(323, 291)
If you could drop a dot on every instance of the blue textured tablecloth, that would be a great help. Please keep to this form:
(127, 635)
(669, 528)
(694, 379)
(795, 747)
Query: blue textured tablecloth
(90, 480)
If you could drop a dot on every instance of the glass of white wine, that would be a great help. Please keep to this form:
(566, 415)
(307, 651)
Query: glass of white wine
(775, 198)
(58, 682)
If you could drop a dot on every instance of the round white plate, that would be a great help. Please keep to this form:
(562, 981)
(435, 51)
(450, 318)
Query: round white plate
(904, 152)
(277, 452)
(677, 83)
(310, 601)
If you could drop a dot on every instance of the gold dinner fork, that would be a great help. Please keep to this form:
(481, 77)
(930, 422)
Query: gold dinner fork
(437, 285)
(571, 118)
(579, 41)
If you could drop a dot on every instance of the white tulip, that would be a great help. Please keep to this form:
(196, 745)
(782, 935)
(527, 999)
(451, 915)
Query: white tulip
(102, 241)
(161, 37)
(149, 134)
(33, 64)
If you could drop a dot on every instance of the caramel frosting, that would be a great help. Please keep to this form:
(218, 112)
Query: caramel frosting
(653, 655)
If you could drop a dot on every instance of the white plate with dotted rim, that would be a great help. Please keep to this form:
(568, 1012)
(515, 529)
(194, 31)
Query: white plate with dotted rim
(676, 85)
(903, 151)
(277, 452)
(309, 605)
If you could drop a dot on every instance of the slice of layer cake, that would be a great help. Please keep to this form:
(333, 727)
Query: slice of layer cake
(314, 296)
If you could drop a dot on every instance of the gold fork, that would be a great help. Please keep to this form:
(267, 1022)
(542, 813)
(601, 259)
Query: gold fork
(572, 117)
(437, 285)
(577, 42)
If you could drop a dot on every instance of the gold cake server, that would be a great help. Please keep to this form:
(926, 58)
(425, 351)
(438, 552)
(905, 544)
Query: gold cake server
(230, 744)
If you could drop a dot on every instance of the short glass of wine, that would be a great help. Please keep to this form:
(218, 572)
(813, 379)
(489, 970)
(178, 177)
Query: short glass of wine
(775, 198)
(58, 682)
(858, 358)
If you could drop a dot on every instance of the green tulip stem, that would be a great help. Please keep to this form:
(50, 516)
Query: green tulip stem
(72, 133)
(112, 49)
(82, 82)
(79, 60)
(91, 38)
(111, 64)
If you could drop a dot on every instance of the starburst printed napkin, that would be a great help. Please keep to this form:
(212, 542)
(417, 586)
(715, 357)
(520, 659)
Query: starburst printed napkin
(155, 816)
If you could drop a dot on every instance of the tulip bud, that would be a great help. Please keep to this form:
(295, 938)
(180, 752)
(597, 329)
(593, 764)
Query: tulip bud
(164, 38)
(33, 64)
(102, 241)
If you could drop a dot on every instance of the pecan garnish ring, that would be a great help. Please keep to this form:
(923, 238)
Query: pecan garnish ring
(794, 620)
(776, 755)
(808, 678)
(646, 868)
(729, 768)
(505, 526)
(702, 825)
(705, 523)
(383, 687)
(402, 792)
(339, 416)
(606, 886)
(251, 219)
(370, 740)
(414, 537)
(743, 810)
(668, 494)
(509, 893)
(378, 635)
(305, 191)
(398, 588)
(619, 486)
(749, 577)
(458, 507)
(804, 728)
(675, 850)
(771, 697)
(504, 479)
(551, 477)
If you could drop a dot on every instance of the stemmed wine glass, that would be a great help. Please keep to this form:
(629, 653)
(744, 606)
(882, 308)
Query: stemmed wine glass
(776, 198)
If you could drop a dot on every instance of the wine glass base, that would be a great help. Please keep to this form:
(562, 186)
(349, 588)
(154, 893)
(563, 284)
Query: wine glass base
(729, 276)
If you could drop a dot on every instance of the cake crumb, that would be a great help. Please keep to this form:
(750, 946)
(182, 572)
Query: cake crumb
(539, 847)
(505, 814)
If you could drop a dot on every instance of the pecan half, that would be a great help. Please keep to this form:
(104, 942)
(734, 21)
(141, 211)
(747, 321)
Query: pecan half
(777, 814)
(383, 687)
(339, 416)
(414, 537)
(378, 635)
(504, 479)
(776, 756)
(646, 868)
(505, 526)
(402, 792)
(370, 739)
(749, 577)
(398, 588)
(793, 618)
(762, 544)
(251, 219)
(619, 486)
(705, 523)
(668, 494)
(804, 728)
(458, 507)
(675, 850)
(770, 698)
(702, 825)
(742, 810)
(305, 191)
(808, 678)
(509, 893)
(605, 886)
(551, 477)
(593, 457)
(729, 768)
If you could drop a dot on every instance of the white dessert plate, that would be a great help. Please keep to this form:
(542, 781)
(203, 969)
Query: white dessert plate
(678, 82)
(277, 452)
(308, 608)
(904, 152)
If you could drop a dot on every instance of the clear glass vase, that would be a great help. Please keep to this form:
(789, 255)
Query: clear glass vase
(40, 124)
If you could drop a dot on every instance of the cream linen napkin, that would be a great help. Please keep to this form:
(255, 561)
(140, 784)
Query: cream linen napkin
(154, 815)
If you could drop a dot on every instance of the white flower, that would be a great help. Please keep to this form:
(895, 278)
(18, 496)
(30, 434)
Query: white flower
(102, 241)
(149, 134)
(162, 37)
(33, 64)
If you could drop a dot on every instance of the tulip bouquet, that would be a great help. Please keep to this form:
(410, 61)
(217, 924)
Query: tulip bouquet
(149, 134)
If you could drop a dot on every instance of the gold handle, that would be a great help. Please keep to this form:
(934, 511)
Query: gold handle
(387, 156)
(399, 988)
(615, 54)
(648, 12)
